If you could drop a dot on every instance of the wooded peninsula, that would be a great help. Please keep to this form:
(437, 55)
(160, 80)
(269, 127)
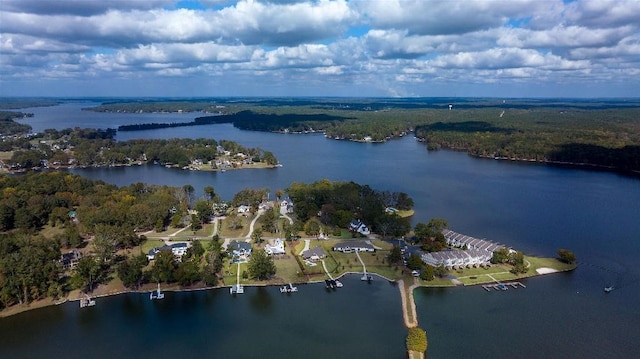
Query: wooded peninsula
(601, 134)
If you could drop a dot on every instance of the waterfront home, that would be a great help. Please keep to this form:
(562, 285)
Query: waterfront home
(314, 254)
(276, 248)
(457, 258)
(239, 250)
(357, 226)
(287, 205)
(460, 240)
(69, 260)
(243, 209)
(178, 250)
(353, 246)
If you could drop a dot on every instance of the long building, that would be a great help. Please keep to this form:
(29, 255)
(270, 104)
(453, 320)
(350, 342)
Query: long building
(477, 252)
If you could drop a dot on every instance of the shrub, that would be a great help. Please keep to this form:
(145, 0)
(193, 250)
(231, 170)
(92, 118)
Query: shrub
(417, 340)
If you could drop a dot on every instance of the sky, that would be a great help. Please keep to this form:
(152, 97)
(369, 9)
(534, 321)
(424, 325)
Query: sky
(357, 48)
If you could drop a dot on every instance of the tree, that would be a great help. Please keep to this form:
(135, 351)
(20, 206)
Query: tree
(268, 220)
(196, 249)
(414, 262)
(566, 256)
(440, 270)
(256, 236)
(130, 271)
(261, 266)
(210, 193)
(417, 340)
(500, 256)
(86, 273)
(164, 266)
(396, 255)
(428, 273)
(204, 209)
(187, 272)
(312, 227)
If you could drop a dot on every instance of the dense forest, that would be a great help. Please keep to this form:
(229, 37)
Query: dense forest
(594, 133)
(336, 204)
(9, 127)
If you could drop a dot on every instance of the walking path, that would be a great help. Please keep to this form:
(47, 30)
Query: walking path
(253, 222)
(408, 304)
(283, 213)
(181, 230)
(306, 246)
(364, 268)
(325, 269)
(215, 226)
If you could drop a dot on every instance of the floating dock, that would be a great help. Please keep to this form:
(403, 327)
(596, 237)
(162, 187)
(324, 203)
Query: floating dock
(503, 286)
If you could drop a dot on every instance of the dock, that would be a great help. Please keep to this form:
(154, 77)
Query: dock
(237, 289)
(503, 286)
(365, 276)
(87, 302)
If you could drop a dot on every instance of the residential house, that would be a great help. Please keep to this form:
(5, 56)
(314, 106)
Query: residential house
(276, 248)
(357, 226)
(314, 254)
(353, 246)
(69, 260)
(239, 250)
(178, 250)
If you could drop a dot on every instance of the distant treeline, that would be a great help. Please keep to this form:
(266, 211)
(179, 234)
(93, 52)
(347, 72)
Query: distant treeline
(249, 120)
(9, 127)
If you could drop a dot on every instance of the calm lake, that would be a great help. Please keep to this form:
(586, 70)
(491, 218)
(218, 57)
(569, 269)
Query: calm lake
(533, 208)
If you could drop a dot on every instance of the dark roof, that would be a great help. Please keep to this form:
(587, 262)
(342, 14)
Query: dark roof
(317, 250)
(178, 245)
(240, 245)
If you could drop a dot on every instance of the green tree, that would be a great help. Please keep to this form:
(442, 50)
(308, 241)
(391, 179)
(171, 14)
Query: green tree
(414, 262)
(417, 340)
(396, 255)
(86, 273)
(428, 273)
(269, 221)
(261, 266)
(204, 209)
(440, 271)
(164, 266)
(187, 272)
(312, 227)
(256, 236)
(566, 256)
(130, 271)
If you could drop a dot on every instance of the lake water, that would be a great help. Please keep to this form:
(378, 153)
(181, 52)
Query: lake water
(533, 208)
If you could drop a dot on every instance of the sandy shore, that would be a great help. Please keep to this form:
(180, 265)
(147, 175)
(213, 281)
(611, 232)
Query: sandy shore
(545, 270)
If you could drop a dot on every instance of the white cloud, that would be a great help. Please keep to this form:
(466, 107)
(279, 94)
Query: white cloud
(352, 47)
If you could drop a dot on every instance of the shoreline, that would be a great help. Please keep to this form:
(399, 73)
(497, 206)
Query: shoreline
(75, 296)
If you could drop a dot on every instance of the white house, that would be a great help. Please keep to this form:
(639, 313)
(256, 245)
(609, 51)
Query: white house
(353, 246)
(243, 209)
(178, 250)
(358, 226)
(239, 250)
(276, 248)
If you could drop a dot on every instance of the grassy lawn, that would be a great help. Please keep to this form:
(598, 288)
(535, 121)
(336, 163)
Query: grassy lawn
(149, 244)
(405, 214)
(287, 270)
(168, 232)
(49, 231)
(225, 231)
(539, 262)
(344, 234)
(6, 155)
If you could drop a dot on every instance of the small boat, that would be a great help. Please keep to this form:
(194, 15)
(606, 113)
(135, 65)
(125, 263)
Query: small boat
(157, 294)
(327, 282)
(608, 289)
(236, 289)
(87, 302)
(338, 284)
(289, 288)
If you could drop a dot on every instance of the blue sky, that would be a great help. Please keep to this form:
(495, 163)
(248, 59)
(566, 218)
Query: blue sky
(485, 48)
